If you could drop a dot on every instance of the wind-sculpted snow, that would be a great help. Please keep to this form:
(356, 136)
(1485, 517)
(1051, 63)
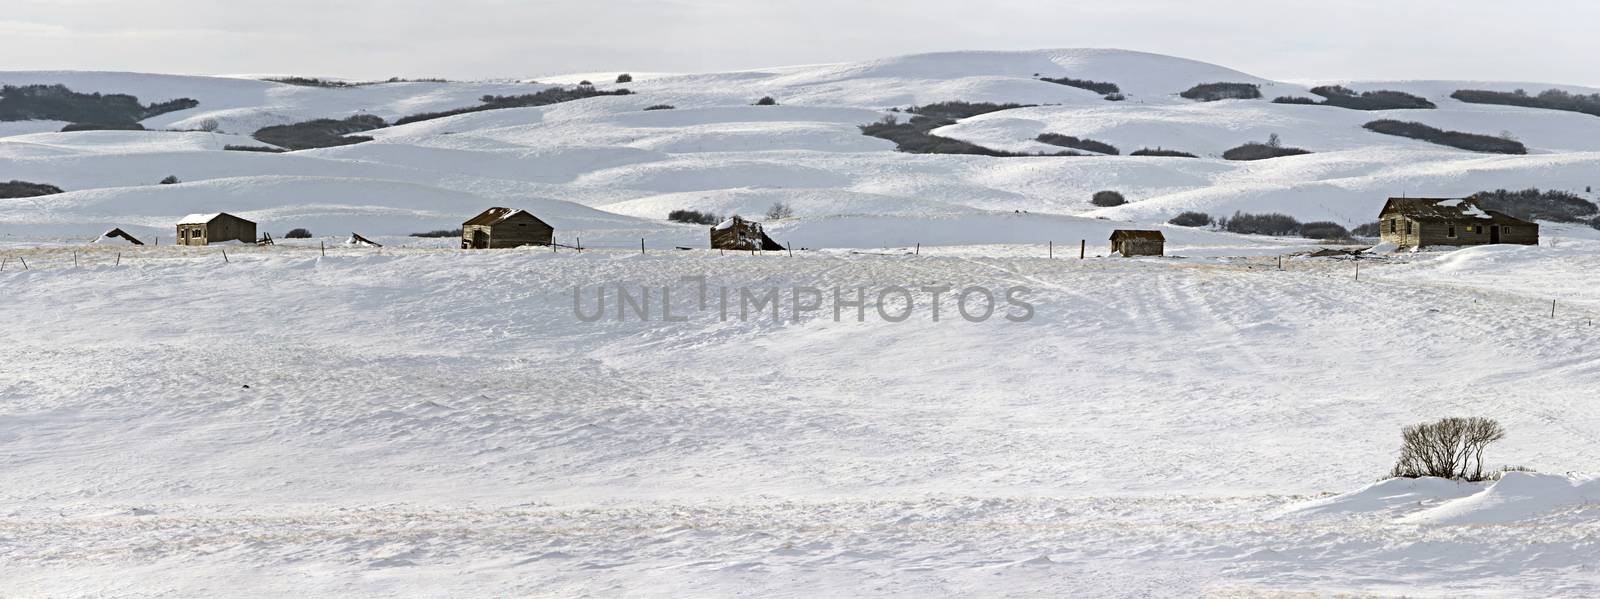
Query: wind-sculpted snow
(406, 420)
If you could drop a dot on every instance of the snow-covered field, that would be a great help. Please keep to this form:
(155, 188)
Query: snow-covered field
(417, 420)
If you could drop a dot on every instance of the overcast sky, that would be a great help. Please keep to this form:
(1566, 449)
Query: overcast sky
(1551, 41)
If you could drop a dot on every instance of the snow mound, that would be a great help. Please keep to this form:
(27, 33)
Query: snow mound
(1387, 495)
(1517, 496)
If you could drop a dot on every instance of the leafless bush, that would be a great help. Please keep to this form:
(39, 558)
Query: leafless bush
(1449, 448)
(779, 210)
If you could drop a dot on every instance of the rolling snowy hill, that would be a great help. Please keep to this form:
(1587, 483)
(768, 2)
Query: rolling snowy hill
(714, 151)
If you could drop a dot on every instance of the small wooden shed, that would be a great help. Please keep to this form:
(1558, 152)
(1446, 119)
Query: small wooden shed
(1133, 242)
(505, 228)
(739, 234)
(204, 229)
(1414, 222)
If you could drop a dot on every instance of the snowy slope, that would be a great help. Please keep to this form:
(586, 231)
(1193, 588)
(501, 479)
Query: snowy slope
(716, 152)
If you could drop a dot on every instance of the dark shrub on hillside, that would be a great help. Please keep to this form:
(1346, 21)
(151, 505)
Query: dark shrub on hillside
(170, 180)
(955, 111)
(102, 127)
(1324, 230)
(297, 234)
(1191, 219)
(1455, 139)
(57, 103)
(1293, 100)
(1261, 151)
(913, 137)
(320, 133)
(554, 95)
(624, 78)
(24, 189)
(766, 101)
(660, 107)
(439, 233)
(1271, 223)
(309, 82)
(1367, 230)
(1106, 199)
(1067, 141)
(1343, 97)
(1161, 152)
(1099, 87)
(234, 148)
(1209, 92)
(693, 217)
(1116, 97)
(1533, 204)
(1553, 99)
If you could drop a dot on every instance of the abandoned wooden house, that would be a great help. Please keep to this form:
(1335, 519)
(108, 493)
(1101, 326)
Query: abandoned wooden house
(1418, 222)
(505, 228)
(204, 229)
(739, 234)
(1132, 242)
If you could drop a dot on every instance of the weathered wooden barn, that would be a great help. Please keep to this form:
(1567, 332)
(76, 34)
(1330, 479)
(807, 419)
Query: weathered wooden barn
(1418, 222)
(739, 234)
(1133, 242)
(204, 229)
(505, 228)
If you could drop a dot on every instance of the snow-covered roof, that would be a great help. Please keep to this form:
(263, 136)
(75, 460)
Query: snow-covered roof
(1445, 209)
(199, 219)
(496, 215)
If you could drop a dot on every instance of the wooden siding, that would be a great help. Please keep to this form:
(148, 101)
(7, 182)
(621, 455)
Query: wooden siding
(1139, 247)
(1447, 233)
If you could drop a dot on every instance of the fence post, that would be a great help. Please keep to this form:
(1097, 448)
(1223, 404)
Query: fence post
(580, 245)
(1552, 308)
(24, 262)
(1358, 270)
(225, 255)
(3, 263)
(74, 258)
(919, 248)
(641, 245)
(790, 247)
(1083, 246)
(119, 260)
(1052, 251)
(324, 245)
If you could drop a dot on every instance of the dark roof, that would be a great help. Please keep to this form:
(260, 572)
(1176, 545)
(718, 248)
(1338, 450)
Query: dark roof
(1121, 234)
(495, 216)
(1445, 209)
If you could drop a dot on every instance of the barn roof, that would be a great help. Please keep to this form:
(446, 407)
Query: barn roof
(1121, 234)
(1445, 209)
(495, 216)
(199, 219)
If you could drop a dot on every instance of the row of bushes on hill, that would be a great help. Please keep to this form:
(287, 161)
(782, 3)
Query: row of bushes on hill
(554, 95)
(1271, 223)
(243, 148)
(1343, 97)
(1272, 148)
(1455, 139)
(1085, 144)
(318, 82)
(914, 135)
(1534, 204)
(24, 189)
(1158, 151)
(1109, 90)
(102, 127)
(320, 133)
(1210, 92)
(693, 217)
(1553, 99)
(439, 233)
(58, 103)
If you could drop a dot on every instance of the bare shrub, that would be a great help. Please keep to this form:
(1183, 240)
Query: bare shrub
(693, 217)
(766, 101)
(1449, 448)
(1324, 230)
(297, 234)
(779, 210)
(1191, 219)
